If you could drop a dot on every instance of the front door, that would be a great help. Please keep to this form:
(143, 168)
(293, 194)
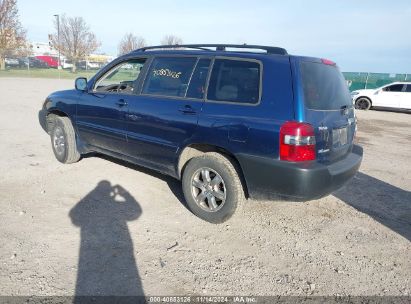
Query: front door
(101, 112)
(164, 116)
(389, 96)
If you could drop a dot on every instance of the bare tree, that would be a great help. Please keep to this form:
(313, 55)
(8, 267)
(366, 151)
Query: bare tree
(12, 35)
(25, 50)
(129, 43)
(76, 39)
(171, 40)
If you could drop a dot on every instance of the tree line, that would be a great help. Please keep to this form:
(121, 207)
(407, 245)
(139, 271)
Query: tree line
(73, 38)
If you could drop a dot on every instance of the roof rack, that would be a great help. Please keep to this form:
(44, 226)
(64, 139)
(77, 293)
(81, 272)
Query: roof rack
(218, 47)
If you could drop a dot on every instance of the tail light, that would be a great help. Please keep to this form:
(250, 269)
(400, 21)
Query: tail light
(297, 142)
(328, 62)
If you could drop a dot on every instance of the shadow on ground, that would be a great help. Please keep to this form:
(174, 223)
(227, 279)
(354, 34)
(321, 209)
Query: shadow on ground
(385, 203)
(173, 184)
(107, 266)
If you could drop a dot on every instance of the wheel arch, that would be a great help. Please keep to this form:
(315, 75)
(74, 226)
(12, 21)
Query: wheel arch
(194, 150)
(51, 113)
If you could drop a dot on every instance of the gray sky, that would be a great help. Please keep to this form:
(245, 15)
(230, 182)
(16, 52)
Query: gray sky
(362, 35)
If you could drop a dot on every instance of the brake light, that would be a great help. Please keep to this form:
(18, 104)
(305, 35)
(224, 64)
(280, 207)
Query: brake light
(328, 62)
(297, 141)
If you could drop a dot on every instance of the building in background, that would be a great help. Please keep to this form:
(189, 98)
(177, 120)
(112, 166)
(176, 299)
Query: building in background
(45, 52)
(43, 49)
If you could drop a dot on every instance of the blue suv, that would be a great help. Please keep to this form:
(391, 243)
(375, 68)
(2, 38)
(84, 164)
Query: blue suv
(229, 121)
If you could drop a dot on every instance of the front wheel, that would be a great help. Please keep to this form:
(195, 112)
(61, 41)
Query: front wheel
(363, 103)
(63, 140)
(212, 187)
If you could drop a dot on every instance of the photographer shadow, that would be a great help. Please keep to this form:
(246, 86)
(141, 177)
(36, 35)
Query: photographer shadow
(385, 203)
(107, 266)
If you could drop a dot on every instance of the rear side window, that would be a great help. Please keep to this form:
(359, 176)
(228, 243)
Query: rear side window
(408, 89)
(235, 81)
(394, 88)
(324, 87)
(169, 76)
(197, 84)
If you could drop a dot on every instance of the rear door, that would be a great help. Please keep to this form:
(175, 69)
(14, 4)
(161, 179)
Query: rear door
(405, 102)
(164, 115)
(327, 106)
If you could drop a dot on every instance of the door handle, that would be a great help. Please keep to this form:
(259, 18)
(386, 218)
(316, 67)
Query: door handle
(187, 109)
(121, 103)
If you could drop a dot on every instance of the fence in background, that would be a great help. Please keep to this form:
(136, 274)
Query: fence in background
(34, 67)
(361, 80)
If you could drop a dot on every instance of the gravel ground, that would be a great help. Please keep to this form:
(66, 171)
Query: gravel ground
(64, 230)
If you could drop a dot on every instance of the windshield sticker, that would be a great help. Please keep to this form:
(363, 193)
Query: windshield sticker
(166, 73)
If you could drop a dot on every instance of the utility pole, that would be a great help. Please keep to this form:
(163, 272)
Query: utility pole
(58, 39)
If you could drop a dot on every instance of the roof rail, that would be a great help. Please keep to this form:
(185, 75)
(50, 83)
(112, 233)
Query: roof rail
(218, 47)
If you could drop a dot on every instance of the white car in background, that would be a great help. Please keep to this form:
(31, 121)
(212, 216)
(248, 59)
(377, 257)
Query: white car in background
(396, 95)
(66, 63)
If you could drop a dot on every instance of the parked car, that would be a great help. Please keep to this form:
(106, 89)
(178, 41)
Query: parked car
(11, 62)
(32, 62)
(396, 95)
(51, 61)
(228, 124)
(66, 63)
(88, 65)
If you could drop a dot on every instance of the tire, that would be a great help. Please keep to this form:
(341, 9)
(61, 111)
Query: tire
(63, 140)
(363, 103)
(198, 189)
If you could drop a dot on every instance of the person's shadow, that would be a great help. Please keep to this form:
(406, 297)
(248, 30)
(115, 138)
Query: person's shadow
(107, 266)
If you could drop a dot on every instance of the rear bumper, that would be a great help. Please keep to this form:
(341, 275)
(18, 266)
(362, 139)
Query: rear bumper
(300, 181)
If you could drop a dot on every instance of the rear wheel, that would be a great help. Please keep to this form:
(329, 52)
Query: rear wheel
(363, 103)
(63, 140)
(212, 187)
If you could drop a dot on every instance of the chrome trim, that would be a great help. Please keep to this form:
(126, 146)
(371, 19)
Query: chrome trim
(323, 150)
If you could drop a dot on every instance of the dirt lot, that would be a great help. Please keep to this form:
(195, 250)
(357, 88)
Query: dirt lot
(63, 231)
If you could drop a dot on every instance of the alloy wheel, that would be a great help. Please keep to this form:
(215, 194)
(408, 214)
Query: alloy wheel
(208, 189)
(59, 141)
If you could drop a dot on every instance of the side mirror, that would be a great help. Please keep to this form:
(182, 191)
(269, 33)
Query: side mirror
(81, 84)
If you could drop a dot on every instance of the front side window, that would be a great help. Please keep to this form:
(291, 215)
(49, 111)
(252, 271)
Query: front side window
(394, 88)
(169, 76)
(408, 89)
(235, 81)
(122, 78)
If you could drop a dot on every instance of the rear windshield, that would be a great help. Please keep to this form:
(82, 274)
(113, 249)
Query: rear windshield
(324, 87)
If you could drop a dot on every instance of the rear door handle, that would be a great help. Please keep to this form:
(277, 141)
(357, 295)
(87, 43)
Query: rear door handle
(121, 103)
(187, 109)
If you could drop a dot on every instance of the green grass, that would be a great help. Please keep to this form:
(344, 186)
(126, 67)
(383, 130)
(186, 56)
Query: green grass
(47, 73)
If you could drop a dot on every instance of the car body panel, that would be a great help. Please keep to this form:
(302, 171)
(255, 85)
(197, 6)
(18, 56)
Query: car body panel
(154, 131)
(405, 102)
(101, 122)
(323, 121)
(158, 127)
